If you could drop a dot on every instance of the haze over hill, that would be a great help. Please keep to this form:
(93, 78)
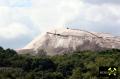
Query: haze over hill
(64, 40)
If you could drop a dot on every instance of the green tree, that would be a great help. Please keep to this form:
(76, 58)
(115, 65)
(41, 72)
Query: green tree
(76, 74)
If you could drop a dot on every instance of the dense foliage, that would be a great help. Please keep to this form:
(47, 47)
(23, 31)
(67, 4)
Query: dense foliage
(76, 65)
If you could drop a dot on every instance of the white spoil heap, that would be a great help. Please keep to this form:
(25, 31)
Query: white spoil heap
(64, 40)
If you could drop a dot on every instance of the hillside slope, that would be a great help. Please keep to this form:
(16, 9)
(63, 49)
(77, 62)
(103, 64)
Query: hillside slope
(63, 40)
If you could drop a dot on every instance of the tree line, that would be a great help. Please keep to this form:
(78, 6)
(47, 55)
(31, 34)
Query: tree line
(75, 65)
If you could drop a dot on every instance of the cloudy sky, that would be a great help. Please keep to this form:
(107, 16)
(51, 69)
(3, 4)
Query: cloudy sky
(23, 20)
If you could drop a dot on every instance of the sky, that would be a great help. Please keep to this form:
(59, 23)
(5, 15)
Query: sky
(22, 20)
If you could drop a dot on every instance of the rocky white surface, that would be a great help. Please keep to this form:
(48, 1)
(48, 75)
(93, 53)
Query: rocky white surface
(63, 40)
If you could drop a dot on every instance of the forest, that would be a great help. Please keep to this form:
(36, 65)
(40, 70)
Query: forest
(75, 65)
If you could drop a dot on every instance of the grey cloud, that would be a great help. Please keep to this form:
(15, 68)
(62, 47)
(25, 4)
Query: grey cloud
(3, 2)
(106, 27)
(19, 42)
(102, 1)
